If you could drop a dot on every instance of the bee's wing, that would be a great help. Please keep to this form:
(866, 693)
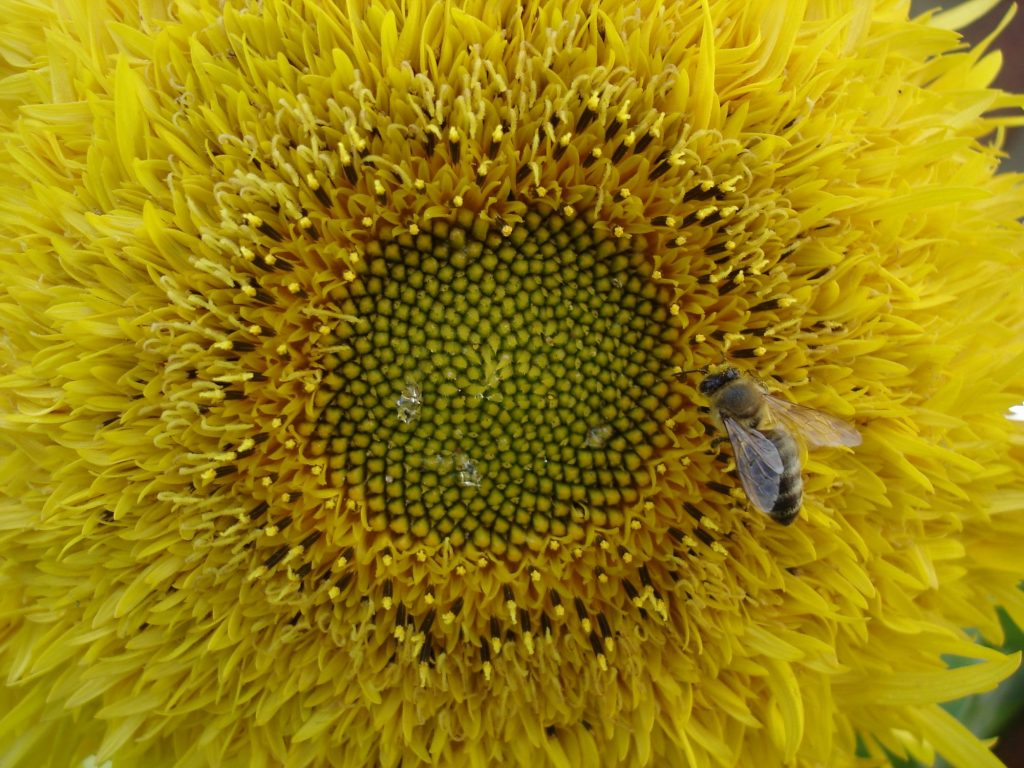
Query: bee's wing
(817, 428)
(759, 464)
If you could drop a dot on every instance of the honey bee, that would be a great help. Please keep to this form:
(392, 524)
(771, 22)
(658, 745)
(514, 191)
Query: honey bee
(763, 430)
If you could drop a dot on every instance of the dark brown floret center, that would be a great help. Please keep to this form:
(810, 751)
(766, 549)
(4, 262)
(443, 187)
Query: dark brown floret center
(501, 390)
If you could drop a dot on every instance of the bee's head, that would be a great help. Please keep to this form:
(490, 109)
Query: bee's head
(715, 381)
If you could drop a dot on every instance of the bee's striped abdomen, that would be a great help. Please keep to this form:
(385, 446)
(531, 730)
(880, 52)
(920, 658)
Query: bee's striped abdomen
(791, 483)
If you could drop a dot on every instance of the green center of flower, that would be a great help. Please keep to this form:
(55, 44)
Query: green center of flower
(498, 390)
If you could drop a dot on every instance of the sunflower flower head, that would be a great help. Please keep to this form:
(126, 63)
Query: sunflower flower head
(348, 412)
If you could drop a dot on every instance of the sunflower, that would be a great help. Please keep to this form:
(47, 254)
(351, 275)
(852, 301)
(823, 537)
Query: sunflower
(347, 405)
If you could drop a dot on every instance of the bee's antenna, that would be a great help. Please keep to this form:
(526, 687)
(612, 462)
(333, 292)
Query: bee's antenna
(678, 374)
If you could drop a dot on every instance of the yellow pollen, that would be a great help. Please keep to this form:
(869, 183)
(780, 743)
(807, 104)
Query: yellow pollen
(270, 259)
(290, 444)
(630, 139)
(226, 345)
(247, 254)
(618, 231)
(253, 220)
(457, 201)
(386, 602)
(420, 184)
(487, 671)
(717, 547)
(453, 135)
(311, 182)
(510, 606)
(528, 642)
(636, 525)
(305, 222)
(535, 576)
(294, 287)
(414, 229)
(541, 191)
(760, 351)
(282, 349)
(367, 221)
(730, 185)
(506, 230)
(323, 329)
(271, 530)
(706, 211)
(497, 133)
(209, 475)
(700, 338)
(596, 152)
(565, 139)
(593, 102)
(681, 240)
(624, 193)
(378, 188)
(569, 211)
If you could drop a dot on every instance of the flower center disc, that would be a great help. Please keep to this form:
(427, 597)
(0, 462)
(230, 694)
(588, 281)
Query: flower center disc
(498, 390)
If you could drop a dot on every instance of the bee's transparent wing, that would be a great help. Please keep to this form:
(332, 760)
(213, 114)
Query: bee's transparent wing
(817, 428)
(759, 464)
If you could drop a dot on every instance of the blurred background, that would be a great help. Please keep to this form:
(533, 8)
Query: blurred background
(1001, 712)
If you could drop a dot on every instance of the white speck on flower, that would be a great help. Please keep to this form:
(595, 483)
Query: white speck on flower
(469, 475)
(409, 403)
(597, 436)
